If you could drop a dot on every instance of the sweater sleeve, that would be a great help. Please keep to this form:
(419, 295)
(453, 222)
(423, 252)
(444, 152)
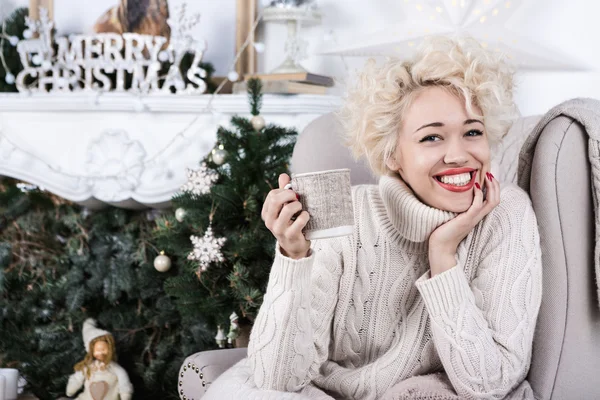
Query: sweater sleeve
(483, 330)
(75, 383)
(290, 337)
(125, 386)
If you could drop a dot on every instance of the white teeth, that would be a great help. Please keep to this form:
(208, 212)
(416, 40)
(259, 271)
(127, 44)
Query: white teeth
(457, 180)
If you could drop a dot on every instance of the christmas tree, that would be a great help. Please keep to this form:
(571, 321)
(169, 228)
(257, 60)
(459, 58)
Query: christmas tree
(61, 263)
(10, 64)
(218, 241)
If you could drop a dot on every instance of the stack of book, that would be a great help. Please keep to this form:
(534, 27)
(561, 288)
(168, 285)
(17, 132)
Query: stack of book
(295, 83)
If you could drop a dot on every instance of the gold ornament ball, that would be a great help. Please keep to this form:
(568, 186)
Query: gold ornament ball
(219, 156)
(258, 122)
(180, 214)
(162, 263)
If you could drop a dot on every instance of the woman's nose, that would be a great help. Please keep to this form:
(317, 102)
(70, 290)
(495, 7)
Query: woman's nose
(455, 153)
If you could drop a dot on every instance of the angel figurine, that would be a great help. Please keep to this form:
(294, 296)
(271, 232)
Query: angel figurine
(99, 374)
(234, 329)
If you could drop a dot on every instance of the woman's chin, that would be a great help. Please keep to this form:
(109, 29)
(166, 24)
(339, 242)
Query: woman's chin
(457, 210)
(455, 206)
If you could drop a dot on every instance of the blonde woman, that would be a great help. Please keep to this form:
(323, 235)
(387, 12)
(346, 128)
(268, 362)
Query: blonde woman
(437, 292)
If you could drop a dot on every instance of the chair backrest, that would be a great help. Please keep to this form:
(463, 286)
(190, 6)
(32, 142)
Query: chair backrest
(566, 348)
(319, 147)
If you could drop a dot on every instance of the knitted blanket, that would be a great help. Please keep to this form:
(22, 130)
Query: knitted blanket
(437, 386)
(586, 112)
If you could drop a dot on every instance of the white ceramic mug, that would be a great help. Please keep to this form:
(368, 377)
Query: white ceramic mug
(11, 379)
(327, 196)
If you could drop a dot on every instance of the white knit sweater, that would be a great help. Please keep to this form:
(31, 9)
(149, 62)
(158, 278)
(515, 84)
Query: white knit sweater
(362, 314)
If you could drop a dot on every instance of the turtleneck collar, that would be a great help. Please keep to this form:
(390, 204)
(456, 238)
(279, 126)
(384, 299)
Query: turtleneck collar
(403, 215)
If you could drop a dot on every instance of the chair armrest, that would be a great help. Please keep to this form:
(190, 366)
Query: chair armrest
(199, 370)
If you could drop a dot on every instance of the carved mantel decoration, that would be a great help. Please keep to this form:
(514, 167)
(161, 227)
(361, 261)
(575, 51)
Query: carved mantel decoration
(125, 150)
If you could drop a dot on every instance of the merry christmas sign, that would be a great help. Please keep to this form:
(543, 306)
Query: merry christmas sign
(105, 61)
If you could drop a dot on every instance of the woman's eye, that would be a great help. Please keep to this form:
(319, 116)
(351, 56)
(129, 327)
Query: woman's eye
(430, 138)
(474, 132)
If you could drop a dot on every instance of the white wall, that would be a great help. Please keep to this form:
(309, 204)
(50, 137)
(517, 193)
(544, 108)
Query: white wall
(569, 27)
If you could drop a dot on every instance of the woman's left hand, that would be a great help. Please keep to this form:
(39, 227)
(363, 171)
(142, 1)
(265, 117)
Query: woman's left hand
(444, 241)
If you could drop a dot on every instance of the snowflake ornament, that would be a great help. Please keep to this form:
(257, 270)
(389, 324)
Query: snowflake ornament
(199, 182)
(207, 249)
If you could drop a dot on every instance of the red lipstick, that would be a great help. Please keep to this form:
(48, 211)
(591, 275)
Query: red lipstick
(456, 171)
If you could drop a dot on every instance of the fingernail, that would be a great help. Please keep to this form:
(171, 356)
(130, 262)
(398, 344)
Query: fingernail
(487, 174)
(477, 186)
(491, 176)
(297, 196)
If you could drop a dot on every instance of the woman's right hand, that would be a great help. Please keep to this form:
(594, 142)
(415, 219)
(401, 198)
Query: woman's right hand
(277, 212)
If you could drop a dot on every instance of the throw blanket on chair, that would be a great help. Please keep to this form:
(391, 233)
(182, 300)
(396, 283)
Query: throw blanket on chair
(587, 113)
(437, 386)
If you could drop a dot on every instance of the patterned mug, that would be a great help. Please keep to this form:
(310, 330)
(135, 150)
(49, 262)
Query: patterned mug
(327, 196)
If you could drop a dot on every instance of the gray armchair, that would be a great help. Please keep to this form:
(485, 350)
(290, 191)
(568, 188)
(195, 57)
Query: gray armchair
(566, 348)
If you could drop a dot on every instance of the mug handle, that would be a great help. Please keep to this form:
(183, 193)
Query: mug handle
(288, 186)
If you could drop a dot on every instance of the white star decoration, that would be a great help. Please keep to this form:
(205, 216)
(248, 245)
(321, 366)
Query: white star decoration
(200, 181)
(207, 249)
(485, 20)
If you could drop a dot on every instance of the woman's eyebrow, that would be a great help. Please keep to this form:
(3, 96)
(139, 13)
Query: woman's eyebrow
(438, 124)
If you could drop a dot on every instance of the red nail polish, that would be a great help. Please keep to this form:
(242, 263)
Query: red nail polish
(477, 186)
(488, 176)
(491, 176)
(297, 196)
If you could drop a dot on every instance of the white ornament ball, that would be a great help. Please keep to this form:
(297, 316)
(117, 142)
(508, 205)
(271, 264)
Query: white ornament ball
(233, 76)
(258, 122)
(13, 40)
(180, 214)
(27, 33)
(9, 78)
(37, 59)
(260, 47)
(163, 56)
(219, 156)
(162, 263)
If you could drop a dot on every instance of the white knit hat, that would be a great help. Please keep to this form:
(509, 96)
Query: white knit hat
(233, 316)
(91, 332)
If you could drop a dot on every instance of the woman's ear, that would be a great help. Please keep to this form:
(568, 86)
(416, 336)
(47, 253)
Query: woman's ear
(392, 164)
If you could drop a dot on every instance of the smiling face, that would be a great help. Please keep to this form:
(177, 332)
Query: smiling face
(442, 151)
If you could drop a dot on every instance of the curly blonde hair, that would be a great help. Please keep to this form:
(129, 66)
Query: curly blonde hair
(375, 106)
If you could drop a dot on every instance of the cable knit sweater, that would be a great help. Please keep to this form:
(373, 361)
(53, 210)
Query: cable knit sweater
(361, 315)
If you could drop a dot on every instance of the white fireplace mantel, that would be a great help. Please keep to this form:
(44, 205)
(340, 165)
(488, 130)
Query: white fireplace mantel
(125, 150)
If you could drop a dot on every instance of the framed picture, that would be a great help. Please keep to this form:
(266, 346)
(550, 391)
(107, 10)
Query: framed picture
(34, 8)
(224, 24)
(246, 16)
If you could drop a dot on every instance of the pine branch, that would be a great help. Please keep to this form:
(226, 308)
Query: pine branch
(15, 26)
(255, 95)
